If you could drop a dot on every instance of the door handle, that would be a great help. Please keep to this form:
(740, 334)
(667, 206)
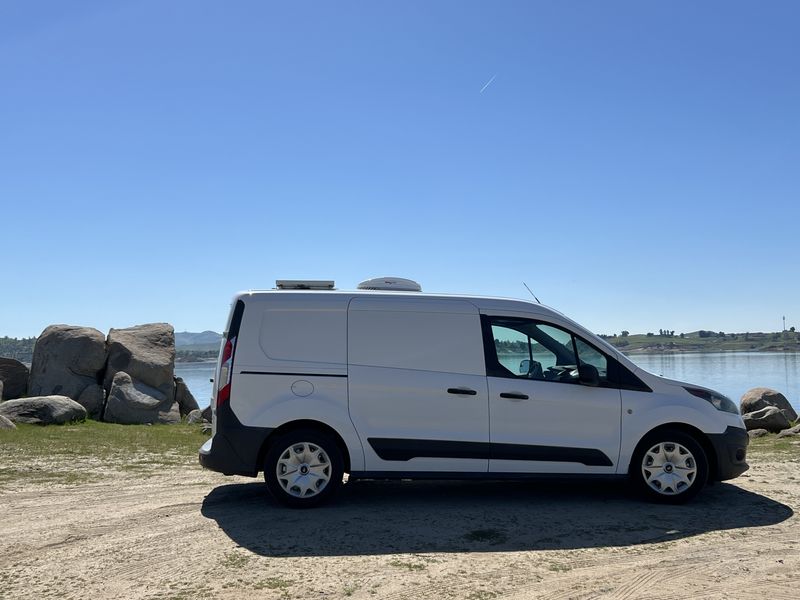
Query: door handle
(514, 396)
(462, 391)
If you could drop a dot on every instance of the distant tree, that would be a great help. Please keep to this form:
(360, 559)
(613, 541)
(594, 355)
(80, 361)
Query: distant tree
(672, 333)
(625, 333)
(660, 332)
(721, 334)
(682, 336)
(747, 336)
(703, 333)
(649, 334)
(791, 328)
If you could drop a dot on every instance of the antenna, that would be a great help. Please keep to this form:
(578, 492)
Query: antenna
(532, 294)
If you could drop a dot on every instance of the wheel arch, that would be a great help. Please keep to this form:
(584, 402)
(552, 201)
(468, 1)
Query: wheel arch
(304, 424)
(697, 434)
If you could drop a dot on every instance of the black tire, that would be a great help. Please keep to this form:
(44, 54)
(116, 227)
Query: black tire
(321, 457)
(686, 453)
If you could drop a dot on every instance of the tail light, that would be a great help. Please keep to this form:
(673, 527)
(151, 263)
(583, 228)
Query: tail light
(225, 372)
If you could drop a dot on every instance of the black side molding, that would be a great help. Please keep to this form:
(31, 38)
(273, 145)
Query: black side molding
(295, 374)
(395, 449)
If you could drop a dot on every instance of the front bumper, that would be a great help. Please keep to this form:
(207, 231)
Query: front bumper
(731, 450)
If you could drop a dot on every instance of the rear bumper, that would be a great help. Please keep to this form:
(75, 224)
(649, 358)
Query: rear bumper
(235, 449)
(731, 450)
(217, 454)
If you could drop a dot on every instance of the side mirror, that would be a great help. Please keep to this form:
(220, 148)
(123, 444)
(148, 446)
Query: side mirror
(525, 366)
(588, 375)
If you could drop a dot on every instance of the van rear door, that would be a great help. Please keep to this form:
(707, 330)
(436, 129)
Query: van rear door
(417, 384)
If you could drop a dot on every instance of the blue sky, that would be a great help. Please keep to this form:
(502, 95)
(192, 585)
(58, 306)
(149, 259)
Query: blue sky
(636, 163)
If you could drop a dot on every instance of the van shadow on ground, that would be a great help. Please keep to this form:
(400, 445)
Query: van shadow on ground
(396, 517)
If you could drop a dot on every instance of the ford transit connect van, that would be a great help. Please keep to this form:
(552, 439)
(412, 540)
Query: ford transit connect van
(388, 382)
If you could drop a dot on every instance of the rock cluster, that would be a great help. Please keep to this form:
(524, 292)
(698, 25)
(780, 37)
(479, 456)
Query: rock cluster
(69, 361)
(767, 411)
(42, 410)
(759, 398)
(13, 379)
(125, 377)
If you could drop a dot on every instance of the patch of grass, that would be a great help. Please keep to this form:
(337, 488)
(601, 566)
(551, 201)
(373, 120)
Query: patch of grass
(349, 589)
(273, 583)
(482, 595)
(774, 447)
(558, 567)
(410, 566)
(493, 536)
(234, 560)
(37, 451)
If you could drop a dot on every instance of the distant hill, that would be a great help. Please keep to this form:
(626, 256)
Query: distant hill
(205, 340)
(707, 341)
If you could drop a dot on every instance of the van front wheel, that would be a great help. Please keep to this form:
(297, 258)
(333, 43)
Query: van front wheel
(303, 468)
(670, 466)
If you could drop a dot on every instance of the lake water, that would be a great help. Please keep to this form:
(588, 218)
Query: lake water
(196, 376)
(732, 373)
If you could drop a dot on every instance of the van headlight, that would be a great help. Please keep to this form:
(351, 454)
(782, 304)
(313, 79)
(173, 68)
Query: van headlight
(719, 401)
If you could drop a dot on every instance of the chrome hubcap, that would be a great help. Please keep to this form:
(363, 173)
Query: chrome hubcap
(303, 470)
(669, 468)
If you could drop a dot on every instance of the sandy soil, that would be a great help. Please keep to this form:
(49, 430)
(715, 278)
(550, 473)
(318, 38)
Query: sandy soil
(187, 533)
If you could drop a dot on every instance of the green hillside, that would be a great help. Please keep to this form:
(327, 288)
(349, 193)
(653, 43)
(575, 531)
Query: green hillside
(707, 341)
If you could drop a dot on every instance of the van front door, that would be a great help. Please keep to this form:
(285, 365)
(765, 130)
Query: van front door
(552, 407)
(417, 384)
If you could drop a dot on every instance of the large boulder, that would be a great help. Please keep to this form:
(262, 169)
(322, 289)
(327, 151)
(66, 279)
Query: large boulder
(196, 416)
(207, 413)
(761, 397)
(5, 423)
(66, 360)
(146, 353)
(184, 397)
(790, 432)
(92, 399)
(770, 418)
(757, 433)
(43, 410)
(14, 379)
(131, 402)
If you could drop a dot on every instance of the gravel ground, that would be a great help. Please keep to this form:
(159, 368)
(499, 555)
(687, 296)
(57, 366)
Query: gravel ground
(176, 531)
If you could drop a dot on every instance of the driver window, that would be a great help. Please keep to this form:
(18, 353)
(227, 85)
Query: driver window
(589, 356)
(533, 350)
(518, 354)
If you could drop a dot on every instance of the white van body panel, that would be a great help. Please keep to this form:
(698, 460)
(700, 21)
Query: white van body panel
(404, 355)
(273, 400)
(579, 417)
(293, 332)
(667, 403)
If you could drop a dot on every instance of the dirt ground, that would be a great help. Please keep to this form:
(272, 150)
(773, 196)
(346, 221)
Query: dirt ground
(181, 532)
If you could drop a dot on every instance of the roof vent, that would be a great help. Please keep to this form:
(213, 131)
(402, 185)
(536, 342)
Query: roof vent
(300, 284)
(397, 284)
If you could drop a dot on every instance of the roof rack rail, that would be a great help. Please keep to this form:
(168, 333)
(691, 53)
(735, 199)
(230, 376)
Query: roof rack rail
(305, 284)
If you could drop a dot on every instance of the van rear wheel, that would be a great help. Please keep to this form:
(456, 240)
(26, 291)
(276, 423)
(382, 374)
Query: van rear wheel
(303, 468)
(670, 466)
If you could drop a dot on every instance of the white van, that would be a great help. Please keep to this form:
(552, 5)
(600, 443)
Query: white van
(388, 382)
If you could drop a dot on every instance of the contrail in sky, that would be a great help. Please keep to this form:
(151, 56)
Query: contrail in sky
(488, 83)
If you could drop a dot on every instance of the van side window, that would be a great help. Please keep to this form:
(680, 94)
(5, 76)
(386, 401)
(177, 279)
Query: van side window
(588, 355)
(529, 349)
